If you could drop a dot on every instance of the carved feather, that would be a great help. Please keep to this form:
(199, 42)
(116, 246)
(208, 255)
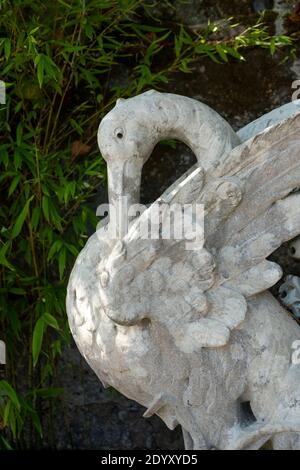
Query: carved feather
(249, 214)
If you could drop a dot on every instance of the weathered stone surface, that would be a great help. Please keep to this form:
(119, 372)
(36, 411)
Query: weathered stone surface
(290, 294)
(193, 335)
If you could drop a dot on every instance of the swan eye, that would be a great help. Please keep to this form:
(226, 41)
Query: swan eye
(104, 279)
(119, 133)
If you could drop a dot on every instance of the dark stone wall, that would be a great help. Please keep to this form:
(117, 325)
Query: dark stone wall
(89, 417)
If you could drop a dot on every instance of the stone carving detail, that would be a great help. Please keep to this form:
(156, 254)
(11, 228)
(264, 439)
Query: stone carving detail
(289, 293)
(294, 249)
(194, 335)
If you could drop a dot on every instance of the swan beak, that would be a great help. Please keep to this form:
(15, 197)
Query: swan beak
(124, 182)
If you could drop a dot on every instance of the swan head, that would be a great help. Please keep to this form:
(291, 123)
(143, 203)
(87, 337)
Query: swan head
(124, 134)
(126, 137)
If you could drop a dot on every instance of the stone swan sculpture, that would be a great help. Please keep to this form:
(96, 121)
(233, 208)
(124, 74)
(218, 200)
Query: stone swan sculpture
(194, 335)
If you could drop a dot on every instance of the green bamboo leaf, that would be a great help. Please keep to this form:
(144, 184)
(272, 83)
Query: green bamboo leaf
(222, 52)
(40, 72)
(46, 67)
(17, 291)
(17, 158)
(51, 68)
(72, 249)
(35, 218)
(37, 339)
(6, 413)
(19, 134)
(45, 207)
(178, 46)
(54, 249)
(54, 215)
(34, 30)
(50, 320)
(234, 53)
(20, 219)
(14, 184)
(273, 46)
(56, 347)
(13, 422)
(7, 48)
(4, 158)
(64, 3)
(37, 423)
(7, 390)
(6, 444)
(3, 260)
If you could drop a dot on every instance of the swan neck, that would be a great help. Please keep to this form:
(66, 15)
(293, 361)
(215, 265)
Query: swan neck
(203, 130)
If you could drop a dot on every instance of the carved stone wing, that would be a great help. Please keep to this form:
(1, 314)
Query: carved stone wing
(272, 118)
(266, 171)
(201, 295)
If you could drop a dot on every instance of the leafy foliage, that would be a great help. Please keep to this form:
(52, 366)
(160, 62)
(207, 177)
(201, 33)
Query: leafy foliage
(64, 64)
